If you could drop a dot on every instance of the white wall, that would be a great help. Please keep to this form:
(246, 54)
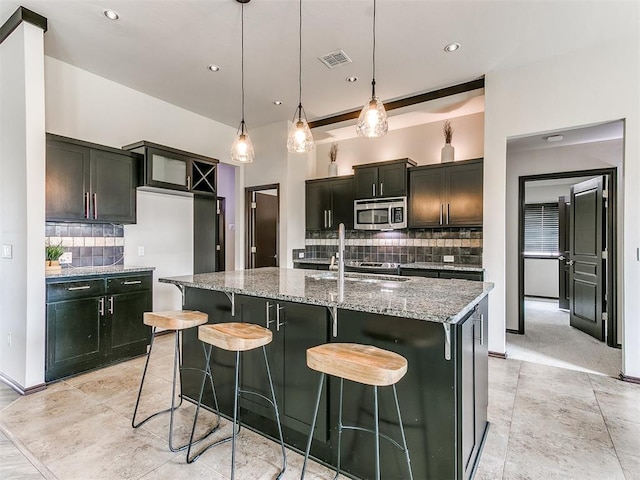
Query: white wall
(421, 143)
(541, 278)
(22, 161)
(594, 85)
(89, 107)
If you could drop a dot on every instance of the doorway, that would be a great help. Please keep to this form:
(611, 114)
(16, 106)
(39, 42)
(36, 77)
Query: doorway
(263, 220)
(220, 234)
(585, 254)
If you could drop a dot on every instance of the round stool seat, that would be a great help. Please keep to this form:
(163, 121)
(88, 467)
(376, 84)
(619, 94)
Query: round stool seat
(235, 337)
(359, 363)
(175, 319)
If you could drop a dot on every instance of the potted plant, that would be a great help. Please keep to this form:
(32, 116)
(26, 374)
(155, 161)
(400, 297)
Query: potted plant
(52, 257)
(333, 154)
(447, 152)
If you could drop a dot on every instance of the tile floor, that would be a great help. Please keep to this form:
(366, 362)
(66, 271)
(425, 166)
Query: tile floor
(546, 423)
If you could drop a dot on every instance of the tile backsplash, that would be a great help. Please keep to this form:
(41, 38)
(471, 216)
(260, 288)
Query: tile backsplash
(407, 246)
(91, 245)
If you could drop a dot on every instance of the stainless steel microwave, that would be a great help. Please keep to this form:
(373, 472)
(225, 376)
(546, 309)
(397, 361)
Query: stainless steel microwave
(380, 213)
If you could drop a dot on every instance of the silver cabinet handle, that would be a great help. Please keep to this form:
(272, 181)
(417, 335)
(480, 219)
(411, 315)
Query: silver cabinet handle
(83, 287)
(374, 189)
(325, 218)
(188, 182)
(448, 212)
(111, 305)
(95, 206)
(278, 324)
(86, 204)
(441, 210)
(101, 306)
(132, 282)
(482, 329)
(330, 218)
(381, 189)
(269, 322)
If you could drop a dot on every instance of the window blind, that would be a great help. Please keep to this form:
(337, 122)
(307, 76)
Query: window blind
(541, 229)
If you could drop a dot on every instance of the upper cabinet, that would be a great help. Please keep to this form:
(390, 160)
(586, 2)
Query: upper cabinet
(89, 183)
(328, 203)
(173, 169)
(446, 195)
(382, 179)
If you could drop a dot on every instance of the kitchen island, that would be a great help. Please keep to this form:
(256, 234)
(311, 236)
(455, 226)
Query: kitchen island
(438, 325)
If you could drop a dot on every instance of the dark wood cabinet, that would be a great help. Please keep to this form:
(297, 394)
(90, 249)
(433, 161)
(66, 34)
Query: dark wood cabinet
(89, 183)
(169, 168)
(329, 202)
(446, 195)
(439, 273)
(95, 322)
(383, 179)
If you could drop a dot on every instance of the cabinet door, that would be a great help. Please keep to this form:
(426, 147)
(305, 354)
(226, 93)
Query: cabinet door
(305, 326)
(392, 180)
(426, 197)
(317, 205)
(481, 369)
(467, 394)
(113, 187)
(366, 182)
(464, 194)
(166, 170)
(128, 335)
(341, 203)
(74, 337)
(67, 181)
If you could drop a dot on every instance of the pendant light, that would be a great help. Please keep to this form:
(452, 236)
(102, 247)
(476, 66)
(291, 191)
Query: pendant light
(242, 149)
(372, 122)
(299, 139)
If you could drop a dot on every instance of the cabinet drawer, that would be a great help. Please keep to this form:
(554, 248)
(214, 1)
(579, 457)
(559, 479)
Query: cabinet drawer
(71, 290)
(133, 283)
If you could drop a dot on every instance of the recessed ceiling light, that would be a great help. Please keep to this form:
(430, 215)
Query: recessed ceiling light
(554, 138)
(213, 68)
(277, 102)
(111, 14)
(451, 47)
(351, 79)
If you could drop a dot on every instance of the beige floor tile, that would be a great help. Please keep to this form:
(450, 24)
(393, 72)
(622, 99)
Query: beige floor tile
(619, 406)
(13, 464)
(630, 466)
(625, 436)
(491, 465)
(177, 469)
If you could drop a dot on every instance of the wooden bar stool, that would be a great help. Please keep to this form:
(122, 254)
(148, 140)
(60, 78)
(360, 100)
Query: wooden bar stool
(237, 337)
(178, 321)
(364, 364)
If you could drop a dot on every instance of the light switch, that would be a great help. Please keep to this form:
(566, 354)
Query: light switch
(141, 251)
(66, 258)
(7, 251)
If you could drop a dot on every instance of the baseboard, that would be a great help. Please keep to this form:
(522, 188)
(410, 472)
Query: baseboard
(497, 355)
(630, 379)
(19, 388)
(533, 297)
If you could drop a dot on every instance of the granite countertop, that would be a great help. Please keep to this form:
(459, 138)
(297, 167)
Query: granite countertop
(431, 299)
(458, 267)
(70, 272)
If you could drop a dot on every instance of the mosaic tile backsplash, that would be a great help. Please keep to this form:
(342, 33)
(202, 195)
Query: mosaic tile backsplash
(428, 245)
(91, 245)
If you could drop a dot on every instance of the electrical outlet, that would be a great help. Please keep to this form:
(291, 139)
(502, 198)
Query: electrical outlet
(66, 258)
(448, 258)
(7, 251)
(141, 251)
(300, 254)
(9, 339)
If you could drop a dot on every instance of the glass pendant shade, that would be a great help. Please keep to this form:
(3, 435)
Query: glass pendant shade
(300, 139)
(372, 122)
(242, 149)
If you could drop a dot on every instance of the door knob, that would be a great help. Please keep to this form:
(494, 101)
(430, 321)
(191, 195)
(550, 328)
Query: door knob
(570, 262)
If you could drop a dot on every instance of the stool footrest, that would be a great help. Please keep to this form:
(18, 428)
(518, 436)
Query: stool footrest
(386, 437)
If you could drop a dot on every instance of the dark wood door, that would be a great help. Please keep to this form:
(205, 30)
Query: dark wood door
(392, 180)
(127, 333)
(586, 271)
(464, 195)
(341, 203)
(113, 187)
(204, 234)
(266, 230)
(220, 235)
(317, 205)
(67, 181)
(563, 248)
(426, 197)
(366, 182)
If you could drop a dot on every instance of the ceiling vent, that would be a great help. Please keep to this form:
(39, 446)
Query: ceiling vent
(334, 59)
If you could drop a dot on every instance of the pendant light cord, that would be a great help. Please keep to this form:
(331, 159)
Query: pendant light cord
(242, 65)
(373, 81)
(300, 65)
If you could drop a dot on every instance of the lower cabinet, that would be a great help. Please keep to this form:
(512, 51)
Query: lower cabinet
(96, 322)
(438, 273)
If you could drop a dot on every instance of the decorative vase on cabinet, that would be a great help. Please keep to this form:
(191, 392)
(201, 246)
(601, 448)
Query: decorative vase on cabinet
(447, 153)
(333, 166)
(333, 169)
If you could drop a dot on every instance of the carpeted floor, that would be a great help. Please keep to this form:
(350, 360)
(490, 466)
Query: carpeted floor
(550, 340)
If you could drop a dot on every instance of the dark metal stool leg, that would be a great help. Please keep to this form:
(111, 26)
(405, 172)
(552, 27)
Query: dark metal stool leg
(176, 367)
(339, 428)
(144, 374)
(313, 426)
(275, 407)
(404, 439)
(377, 420)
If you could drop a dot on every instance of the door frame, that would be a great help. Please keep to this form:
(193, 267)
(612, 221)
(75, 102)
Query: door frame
(221, 232)
(611, 225)
(250, 221)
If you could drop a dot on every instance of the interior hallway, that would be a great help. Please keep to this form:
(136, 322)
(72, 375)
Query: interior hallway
(546, 423)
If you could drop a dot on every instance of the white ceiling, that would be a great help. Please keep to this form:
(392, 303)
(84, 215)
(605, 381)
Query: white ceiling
(162, 47)
(574, 136)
